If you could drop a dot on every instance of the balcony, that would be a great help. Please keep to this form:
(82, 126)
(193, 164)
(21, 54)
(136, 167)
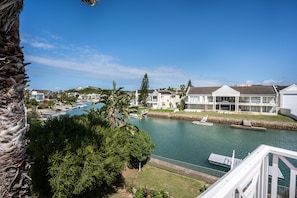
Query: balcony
(250, 178)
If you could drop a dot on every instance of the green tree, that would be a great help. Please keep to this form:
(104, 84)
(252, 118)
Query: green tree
(189, 84)
(144, 90)
(183, 90)
(141, 147)
(76, 155)
(116, 106)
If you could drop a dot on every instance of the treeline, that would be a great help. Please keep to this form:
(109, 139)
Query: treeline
(84, 156)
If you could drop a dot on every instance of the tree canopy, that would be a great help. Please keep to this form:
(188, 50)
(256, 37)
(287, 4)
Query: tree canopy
(82, 155)
(144, 90)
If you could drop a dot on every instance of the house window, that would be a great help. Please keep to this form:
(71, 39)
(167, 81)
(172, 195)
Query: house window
(268, 100)
(209, 98)
(255, 109)
(255, 99)
(194, 99)
(266, 109)
(244, 99)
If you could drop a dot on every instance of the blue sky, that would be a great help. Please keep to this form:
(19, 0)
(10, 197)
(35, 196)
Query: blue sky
(210, 42)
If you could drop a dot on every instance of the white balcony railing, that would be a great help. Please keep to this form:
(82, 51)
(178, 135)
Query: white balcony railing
(250, 179)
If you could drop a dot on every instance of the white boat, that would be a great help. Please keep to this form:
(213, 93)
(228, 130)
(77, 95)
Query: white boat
(134, 115)
(232, 162)
(80, 105)
(203, 121)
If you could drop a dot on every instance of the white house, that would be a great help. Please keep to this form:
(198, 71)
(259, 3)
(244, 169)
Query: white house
(161, 99)
(40, 95)
(260, 99)
(288, 101)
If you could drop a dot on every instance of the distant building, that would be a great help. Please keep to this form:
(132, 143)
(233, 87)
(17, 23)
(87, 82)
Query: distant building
(258, 99)
(162, 99)
(288, 101)
(41, 95)
(159, 99)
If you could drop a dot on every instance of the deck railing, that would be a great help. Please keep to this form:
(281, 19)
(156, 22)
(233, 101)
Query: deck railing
(250, 178)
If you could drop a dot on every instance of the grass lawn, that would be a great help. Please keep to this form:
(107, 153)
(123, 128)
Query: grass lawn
(269, 118)
(241, 116)
(152, 177)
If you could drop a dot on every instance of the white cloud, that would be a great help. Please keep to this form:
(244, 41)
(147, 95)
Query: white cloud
(35, 43)
(271, 82)
(85, 62)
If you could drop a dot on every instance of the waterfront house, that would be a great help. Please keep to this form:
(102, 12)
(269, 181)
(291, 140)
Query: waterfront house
(162, 99)
(256, 99)
(159, 99)
(288, 100)
(41, 95)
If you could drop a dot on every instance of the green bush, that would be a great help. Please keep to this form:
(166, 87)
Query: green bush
(75, 155)
(140, 193)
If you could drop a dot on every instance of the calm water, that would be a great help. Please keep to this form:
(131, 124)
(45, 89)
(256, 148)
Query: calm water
(186, 142)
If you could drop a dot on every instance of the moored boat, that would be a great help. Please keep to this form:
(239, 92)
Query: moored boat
(80, 105)
(203, 121)
(247, 125)
(134, 115)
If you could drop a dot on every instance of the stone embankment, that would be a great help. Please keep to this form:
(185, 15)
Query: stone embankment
(225, 120)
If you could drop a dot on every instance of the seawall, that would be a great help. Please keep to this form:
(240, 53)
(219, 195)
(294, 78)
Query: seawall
(259, 123)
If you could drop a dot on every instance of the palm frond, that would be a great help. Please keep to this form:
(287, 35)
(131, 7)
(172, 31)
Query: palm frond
(91, 2)
(9, 13)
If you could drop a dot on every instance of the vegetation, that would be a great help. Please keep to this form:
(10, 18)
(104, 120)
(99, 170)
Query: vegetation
(116, 106)
(13, 161)
(163, 181)
(189, 84)
(144, 90)
(83, 155)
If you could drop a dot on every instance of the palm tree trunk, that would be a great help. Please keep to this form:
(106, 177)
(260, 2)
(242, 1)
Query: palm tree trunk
(13, 121)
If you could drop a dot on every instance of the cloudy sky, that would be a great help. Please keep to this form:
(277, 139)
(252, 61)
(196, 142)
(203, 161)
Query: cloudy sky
(210, 42)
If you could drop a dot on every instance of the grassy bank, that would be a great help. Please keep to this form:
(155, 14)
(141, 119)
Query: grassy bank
(268, 121)
(152, 177)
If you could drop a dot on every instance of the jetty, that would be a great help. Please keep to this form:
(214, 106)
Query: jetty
(232, 162)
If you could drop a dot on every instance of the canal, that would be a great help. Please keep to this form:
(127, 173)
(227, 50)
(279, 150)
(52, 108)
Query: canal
(191, 144)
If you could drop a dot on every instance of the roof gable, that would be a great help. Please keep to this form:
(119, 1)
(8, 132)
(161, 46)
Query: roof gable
(225, 91)
(289, 90)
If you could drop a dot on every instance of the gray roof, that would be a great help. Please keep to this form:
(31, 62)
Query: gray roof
(256, 89)
(202, 90)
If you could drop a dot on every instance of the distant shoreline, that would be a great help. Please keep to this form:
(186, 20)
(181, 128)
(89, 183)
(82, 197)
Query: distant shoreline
(292, 126)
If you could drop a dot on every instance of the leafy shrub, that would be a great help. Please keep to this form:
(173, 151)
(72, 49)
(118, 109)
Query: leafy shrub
(140, 193)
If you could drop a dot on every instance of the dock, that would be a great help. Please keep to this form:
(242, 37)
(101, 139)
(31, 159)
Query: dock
(225, 161)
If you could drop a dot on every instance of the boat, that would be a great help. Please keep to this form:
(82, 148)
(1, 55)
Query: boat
(245, 124)
(80, 105)
(134, 115)
(232, 162)
(203, 121)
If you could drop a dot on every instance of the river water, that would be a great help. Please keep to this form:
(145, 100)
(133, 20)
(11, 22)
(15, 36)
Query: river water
(183, 141)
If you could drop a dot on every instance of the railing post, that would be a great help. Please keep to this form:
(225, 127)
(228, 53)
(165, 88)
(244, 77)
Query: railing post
(263, 178)
(274, 176)
(292, 183)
